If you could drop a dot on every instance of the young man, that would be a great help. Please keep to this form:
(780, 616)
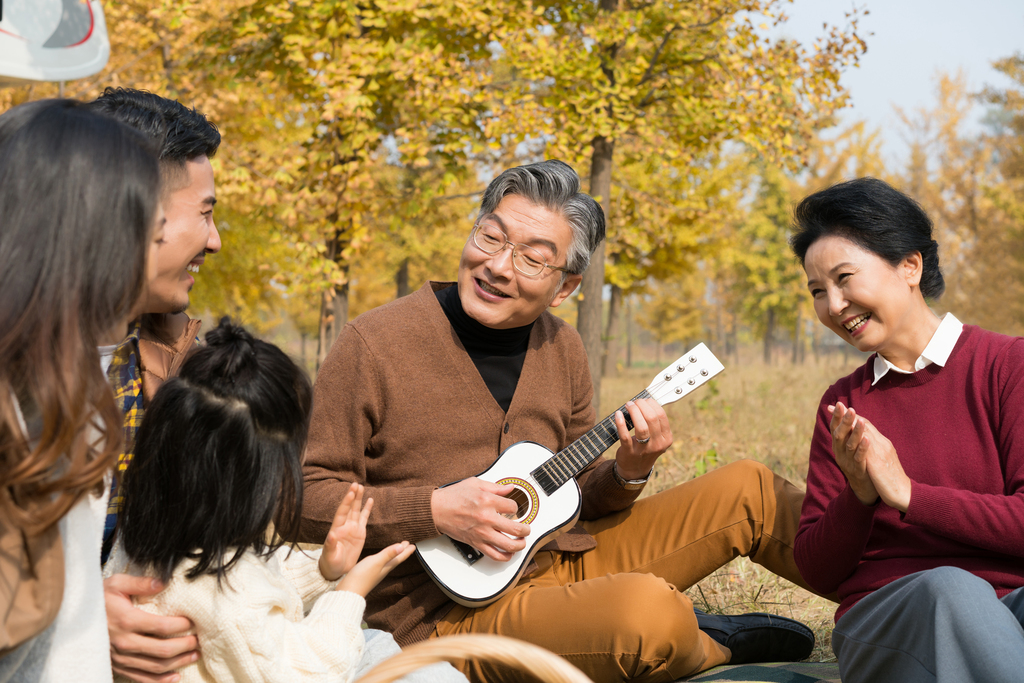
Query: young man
(156, 346)
(428, 389)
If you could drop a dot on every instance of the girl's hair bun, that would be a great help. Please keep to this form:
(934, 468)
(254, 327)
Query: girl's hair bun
(234, 347)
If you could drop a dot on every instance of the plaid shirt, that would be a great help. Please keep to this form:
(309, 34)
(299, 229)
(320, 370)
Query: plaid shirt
(125, 377)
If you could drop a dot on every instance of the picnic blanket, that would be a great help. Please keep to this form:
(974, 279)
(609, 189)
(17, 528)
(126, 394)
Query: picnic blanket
(785, 672)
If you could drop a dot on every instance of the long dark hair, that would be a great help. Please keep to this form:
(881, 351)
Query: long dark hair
(877, 217)
(218, 458)
(78, 198)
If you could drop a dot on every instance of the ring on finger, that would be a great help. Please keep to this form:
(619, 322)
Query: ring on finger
(639, 440)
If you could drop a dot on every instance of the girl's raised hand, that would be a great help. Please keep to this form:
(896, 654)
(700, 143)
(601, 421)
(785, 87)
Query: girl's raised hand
(370, 570)
(345, 540)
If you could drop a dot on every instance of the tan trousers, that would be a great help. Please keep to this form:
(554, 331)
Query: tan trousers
(616, 612)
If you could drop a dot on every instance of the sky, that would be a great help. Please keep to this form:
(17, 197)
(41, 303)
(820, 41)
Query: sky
(909, 42)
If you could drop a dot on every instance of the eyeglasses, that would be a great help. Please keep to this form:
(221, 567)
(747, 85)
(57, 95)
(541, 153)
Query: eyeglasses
(491, 239)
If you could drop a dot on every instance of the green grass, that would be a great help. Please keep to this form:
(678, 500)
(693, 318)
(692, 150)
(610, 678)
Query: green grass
(765, 413)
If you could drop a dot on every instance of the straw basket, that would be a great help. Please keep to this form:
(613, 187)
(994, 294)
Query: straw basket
(535, 661)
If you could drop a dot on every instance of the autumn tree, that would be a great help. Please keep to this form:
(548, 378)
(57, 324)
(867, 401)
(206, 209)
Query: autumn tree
(673, 309)
(957, 177)
(666, 224)
(156, 46)
(771, 283)
(397, 81)
(676, 79)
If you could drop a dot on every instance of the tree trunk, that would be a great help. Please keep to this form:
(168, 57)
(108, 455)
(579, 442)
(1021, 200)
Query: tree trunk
(732, 343)
(588, 322)
(720, 342)
(402, 279)
(629, 332)
(797, 339)
(333, 304)
(613, 334)
(769, 334)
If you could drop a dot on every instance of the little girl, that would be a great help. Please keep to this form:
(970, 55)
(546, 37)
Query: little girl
(217, 460)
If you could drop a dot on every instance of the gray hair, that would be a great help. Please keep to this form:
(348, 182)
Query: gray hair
(555, 186)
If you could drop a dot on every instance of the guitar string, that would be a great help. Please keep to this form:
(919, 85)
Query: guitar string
(555, 467)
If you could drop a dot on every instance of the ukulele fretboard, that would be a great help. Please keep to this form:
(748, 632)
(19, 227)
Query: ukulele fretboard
(567, 463)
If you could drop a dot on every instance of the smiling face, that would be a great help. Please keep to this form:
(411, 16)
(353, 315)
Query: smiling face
(868, 302)
(189, 234)
(497, 295)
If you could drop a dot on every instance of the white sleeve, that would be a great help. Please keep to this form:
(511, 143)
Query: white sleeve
(302, 569)
(251, 628)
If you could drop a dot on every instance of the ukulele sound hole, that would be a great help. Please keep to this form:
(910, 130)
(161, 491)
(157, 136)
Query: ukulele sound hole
(521, 499)
(525, 497)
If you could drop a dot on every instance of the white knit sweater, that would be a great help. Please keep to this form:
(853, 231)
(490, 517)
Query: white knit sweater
(252, 626)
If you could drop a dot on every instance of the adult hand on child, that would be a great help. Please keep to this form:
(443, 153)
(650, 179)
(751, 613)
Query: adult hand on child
(345, 540)
(140, 644)
(369, 571)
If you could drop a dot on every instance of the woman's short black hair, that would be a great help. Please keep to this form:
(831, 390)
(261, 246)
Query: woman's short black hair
(875, 216)
(218, 458)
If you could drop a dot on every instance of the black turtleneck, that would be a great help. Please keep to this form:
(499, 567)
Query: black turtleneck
(497, 354)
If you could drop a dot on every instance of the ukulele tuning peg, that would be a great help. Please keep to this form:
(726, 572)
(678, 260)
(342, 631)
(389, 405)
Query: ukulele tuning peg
(679, 390)
(692, 359)
(691, 381)
(703, 373)
(668, 376)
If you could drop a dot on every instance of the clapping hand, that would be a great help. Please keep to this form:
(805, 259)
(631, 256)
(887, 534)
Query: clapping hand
(868, 460)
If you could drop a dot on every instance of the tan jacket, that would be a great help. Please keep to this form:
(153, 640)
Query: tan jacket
(161, 358)
(31, 574)
(32, 581)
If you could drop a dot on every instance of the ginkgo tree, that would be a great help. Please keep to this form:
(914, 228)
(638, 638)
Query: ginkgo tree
(675, 79)
(352, 83)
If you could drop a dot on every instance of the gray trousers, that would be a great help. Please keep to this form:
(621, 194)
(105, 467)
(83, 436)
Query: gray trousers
(381, 646)
(944, 625)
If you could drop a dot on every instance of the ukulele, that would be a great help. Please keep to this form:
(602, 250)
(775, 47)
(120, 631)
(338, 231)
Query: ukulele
(546, 492)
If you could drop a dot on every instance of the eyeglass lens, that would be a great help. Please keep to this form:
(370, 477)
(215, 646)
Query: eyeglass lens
(492, 239)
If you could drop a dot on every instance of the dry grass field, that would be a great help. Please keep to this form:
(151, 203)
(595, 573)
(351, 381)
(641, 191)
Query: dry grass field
(754, 411)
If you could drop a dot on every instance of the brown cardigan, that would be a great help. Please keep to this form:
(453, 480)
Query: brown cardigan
(400, 407)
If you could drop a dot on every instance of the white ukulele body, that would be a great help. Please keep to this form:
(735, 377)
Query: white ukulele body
(546, 492)
(481, 580)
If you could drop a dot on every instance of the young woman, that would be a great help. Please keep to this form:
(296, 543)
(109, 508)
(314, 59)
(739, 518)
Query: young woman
(217, 460)
(915, 489)
(78, 212)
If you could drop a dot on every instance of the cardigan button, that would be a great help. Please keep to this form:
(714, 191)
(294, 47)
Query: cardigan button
(506, 427)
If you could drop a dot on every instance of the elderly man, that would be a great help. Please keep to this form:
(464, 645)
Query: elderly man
(429, 389)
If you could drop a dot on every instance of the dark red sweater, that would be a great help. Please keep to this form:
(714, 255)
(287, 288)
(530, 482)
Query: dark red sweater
(959, 433)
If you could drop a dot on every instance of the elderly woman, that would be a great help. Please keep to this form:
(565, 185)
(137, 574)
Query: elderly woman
(915, 490)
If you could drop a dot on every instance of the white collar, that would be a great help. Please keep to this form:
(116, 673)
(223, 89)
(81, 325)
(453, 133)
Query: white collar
(937, 351)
